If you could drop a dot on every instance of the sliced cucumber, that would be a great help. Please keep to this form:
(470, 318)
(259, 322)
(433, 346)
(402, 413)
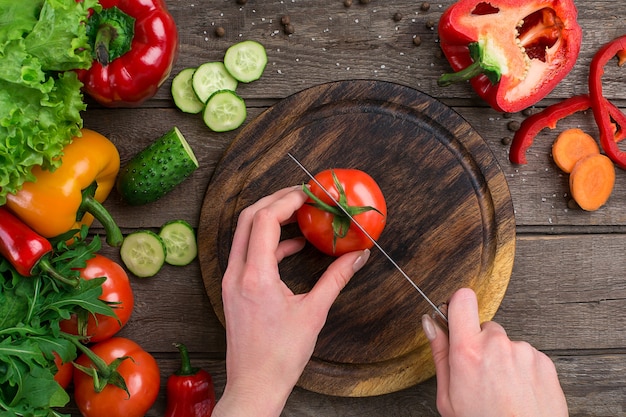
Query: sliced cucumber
(211, 77)
(246, 60)
(180, 242)
(143, 252)
(224, 111)
(183, 94)
(157, 169)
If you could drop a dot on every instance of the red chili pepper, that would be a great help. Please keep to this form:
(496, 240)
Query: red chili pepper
(190, 391)
(549, 117)
(616, 47)
(514, 53)
(135, 44)
(27, 251)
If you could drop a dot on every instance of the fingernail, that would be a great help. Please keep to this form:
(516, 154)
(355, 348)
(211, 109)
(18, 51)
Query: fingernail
(429, 327)
(361, 260)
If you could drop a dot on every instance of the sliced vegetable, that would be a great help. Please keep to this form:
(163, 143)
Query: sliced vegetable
(571, 146)
(180, 242)
(211, 77)
(72, 195)
(184, 96)
(134, 44)
(190, 390)
(157, 169)
(246, 60)
(224, 111)
(514, 53)
(591, 181)
(143, 252)
(616, 47)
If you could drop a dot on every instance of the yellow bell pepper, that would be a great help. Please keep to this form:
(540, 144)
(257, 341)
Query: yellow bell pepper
(70, 196)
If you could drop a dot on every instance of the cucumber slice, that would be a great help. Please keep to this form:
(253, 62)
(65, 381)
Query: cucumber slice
(143, 252)
(183, 94)
(180, 242)
(211, 77)
(224, 111)
(246, 60)
(157, 169)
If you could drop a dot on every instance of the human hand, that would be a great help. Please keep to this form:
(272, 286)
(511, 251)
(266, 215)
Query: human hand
(270, 332)
(482, 373)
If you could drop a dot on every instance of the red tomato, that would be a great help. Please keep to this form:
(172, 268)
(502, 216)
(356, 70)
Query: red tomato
(357, 190)
(63, 376)
(115, 289)
(141, 374)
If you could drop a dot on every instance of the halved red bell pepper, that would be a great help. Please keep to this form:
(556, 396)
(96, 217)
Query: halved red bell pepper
(513, 52)
(135, 45)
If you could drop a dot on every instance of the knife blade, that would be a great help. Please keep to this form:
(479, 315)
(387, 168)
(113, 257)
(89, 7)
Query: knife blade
(437, 310)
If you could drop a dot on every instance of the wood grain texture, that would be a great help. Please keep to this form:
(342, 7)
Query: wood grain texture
(450, 221)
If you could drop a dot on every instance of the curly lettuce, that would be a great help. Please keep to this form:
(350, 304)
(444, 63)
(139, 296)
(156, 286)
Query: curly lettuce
(41, 43)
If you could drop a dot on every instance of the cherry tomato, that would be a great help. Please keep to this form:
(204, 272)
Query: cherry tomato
(63, 375)
(358, 193)
(116, 289)
(140, 371)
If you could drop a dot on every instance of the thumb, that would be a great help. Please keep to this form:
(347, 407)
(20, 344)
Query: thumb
(440, 348)
(335, 278)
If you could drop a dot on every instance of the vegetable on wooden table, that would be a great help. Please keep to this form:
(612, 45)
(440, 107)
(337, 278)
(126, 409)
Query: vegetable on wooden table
(591, 181)
(134, 45)
(30, 340)
(116, 291)
(608, 51)
(514, 53)
(72, 195)
(143, 252)
(180, 242)
(157, 169)
(190, 390)
(115, 378)
(571, 146)
(327, 227)
(41, 43)
(27, 251)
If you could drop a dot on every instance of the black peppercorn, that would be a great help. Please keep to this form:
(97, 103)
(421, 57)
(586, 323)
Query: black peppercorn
(397, 17)
(425, 6)
(220, 31)
(513, 125)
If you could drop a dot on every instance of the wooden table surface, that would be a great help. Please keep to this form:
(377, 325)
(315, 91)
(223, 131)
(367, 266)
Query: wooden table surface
(567, 292)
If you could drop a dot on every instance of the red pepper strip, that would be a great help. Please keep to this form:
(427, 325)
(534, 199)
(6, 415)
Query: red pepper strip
(26, 250)
(598, 101)
(190, 391)
(549, 117)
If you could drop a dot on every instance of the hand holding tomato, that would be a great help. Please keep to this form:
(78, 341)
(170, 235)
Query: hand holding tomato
(116, 289)
(327, 227)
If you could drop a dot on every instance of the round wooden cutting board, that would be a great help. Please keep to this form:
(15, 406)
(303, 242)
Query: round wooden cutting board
(450, 222)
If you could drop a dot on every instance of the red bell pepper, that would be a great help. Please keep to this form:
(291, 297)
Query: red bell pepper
(190, 391)
(135, 45)
(599, 103)
(27, 251)
(513, 52)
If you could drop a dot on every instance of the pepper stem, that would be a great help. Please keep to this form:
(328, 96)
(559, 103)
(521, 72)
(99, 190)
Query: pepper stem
(185, 363)
(110, 32)
(482, 65)
(45, 266)
(92, 206)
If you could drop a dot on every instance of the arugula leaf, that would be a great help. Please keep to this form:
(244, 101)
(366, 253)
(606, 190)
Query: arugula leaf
(30, 311)
(41, 42)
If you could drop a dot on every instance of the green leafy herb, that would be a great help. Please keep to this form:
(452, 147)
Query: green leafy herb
(41, 42)
(30, 311)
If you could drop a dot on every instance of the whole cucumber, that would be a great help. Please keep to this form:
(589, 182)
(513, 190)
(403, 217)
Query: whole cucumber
(157, 169)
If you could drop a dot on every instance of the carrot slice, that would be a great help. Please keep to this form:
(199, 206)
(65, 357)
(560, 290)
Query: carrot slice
(591, 181)
(571, 146)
